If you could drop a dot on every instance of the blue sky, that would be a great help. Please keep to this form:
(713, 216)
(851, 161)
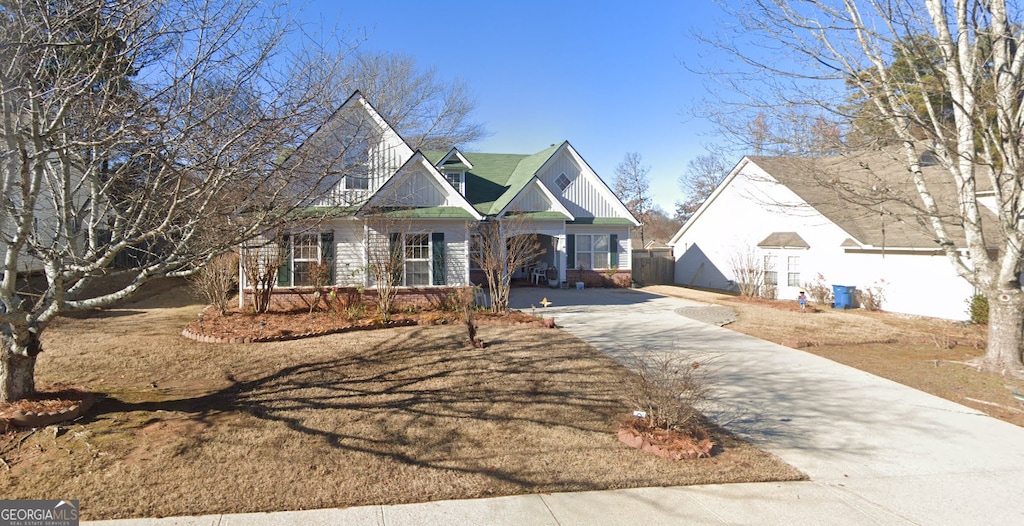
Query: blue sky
(606, 76)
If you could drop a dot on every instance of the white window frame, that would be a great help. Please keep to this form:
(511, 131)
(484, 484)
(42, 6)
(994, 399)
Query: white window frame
(559, 181)
(457, 179)
(420, 259)
(303, 257)
(771, 276)
(793, 271)
(593, 253)
(356, 160)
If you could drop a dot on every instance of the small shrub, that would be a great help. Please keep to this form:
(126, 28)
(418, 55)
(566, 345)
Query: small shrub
(819, 290)
(609, 275)
(977, 308)
(872, 298)
(260, 267)
(451, 302)
(356, 312)
(769, 292)
(465, 298)
(669, 387)
(320, 275)
(215, 281)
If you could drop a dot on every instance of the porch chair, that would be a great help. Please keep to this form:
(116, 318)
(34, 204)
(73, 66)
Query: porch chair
(539, 273)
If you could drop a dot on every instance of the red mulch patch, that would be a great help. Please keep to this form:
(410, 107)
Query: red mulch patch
(668, 443)
(56, 404)
(237, 324)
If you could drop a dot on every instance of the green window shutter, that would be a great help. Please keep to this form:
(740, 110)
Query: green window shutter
(284, 269)
(437, 258)
(570, 251)
(327, 254)
(613, 251)
(396, 257)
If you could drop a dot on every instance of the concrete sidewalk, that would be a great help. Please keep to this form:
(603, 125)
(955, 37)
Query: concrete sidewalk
(877, 452)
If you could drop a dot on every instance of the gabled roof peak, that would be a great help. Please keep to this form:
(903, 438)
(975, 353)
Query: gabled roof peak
(453, 157)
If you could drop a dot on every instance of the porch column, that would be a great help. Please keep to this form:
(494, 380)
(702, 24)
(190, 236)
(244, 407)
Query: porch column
(560, 258)
(241, 278)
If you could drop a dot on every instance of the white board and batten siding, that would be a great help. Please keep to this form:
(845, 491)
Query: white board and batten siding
(417, 189)
(586, 195)
(534, 200)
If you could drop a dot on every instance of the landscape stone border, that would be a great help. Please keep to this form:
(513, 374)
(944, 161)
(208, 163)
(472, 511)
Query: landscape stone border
(32, 419)
(697, 449)
(204, 338)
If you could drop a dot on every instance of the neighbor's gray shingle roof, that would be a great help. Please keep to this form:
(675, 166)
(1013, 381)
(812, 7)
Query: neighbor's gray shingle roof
(783, 240)
(871, 195)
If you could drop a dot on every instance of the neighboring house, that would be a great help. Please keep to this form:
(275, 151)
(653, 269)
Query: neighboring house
(849, 219)
(427, 205)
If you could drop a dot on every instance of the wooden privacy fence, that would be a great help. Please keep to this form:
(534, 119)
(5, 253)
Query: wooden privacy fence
(653, 267)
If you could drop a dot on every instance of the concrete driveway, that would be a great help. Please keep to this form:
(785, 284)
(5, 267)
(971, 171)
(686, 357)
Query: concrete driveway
(895, 454)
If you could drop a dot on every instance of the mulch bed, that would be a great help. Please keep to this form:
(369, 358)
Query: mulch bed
(279, 325)
(667, 443)
(51, 406)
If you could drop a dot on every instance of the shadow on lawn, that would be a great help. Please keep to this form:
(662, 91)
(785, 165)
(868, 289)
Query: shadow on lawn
(422, 399)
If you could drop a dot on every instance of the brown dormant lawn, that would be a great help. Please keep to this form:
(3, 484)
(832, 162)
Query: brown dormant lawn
(928, 354)
(376, 417)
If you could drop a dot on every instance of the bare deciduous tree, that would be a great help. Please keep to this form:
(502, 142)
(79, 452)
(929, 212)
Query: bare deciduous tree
(660, 226)
(260, 266)
(957, 106)
(429, 112)
(216, 280)
(148, 127)
(747, 267)
(385, 258)
(632, 187)
(703, 175)
(505, 244)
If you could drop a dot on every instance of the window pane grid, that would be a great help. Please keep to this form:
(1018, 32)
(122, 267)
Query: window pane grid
(475, 241)
(455, 178)
(592, 251)
(306, 247)
(305, 252)
(417, 260)
(562, 181)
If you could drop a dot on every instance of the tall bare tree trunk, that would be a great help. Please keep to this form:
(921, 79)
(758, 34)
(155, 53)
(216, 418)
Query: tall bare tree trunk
(1005, 337)
(18, 365)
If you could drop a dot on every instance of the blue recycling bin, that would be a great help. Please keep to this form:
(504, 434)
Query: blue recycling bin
(843, 296)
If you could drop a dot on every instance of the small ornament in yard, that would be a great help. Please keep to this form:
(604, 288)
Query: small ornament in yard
(544, 302)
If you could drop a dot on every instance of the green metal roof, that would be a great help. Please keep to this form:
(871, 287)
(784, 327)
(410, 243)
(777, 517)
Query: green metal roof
(544, 216)
(496, 178)
(434, 212)
(603, 221)
(434, 156)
